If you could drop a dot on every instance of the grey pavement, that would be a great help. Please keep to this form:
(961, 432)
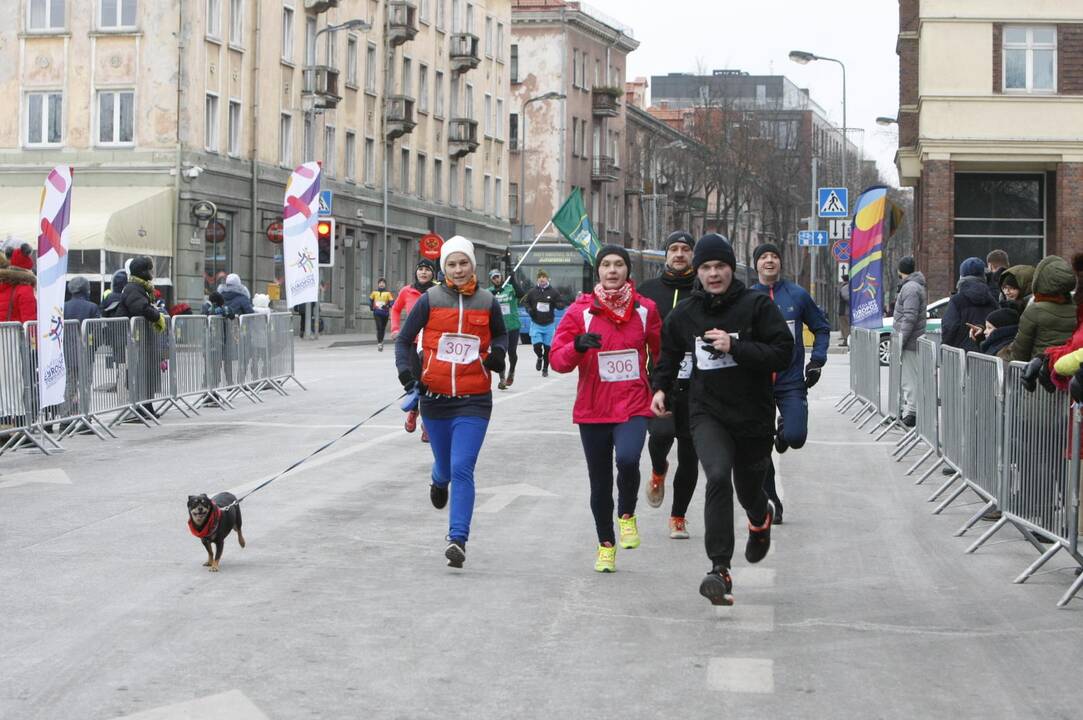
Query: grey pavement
(341, 606)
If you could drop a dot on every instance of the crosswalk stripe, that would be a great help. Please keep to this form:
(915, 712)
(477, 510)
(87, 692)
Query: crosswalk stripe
(741, 675)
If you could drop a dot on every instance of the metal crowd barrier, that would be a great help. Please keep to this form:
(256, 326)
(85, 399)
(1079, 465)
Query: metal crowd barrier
(928, 410)
(280, 351)
(105, 374)
(16, 411)
(952, 418)
(864, 356)
(893, 418)
(983, 431)
(191, 380)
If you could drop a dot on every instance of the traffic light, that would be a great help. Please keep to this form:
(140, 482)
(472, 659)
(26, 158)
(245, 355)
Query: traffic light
(325, 240)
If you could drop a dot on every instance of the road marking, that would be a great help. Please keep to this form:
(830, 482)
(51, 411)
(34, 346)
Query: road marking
(741, 675)
(53, 476)
(755, 577)
(503, 495)
(751, 618)
(231, 705)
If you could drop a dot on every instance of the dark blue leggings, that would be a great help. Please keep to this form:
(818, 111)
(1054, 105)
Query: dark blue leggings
(599, 442)
(793, 407)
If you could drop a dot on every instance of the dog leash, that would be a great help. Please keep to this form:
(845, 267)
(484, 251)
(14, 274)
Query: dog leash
(312, 454)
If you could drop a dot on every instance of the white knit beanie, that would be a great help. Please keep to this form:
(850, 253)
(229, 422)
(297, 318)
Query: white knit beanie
(454, 245)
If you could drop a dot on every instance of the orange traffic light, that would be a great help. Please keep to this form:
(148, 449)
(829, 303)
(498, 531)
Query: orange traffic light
(323, 228)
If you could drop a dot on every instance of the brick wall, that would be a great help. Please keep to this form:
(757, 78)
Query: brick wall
(1069, 208)
(907, 50)
(909, 15)
(1070, 59)
(998, 57)
(934, 235)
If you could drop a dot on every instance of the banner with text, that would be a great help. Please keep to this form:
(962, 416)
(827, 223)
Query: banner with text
(300, 212)
(54, 215)
(866, 259)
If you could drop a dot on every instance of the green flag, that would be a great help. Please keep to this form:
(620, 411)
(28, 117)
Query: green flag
(572, 222)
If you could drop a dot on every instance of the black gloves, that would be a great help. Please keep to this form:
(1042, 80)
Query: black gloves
(812, 373)
(495, 361)
(586, 341)
(1075, 387)
(409, 382)
(1030, 375)
(1044, 378)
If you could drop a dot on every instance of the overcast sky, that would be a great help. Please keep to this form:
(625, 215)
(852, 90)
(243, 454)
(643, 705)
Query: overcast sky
(757, 35)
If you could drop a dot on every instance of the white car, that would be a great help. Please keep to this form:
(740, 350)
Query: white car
(933, 312)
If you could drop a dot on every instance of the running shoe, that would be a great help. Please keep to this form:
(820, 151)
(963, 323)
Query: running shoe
(545, 373)
(629, 532)
(678, 530)
(656, 489)
(455, 553)
(759, 537)
(777, 520)
(781, 445)
(537, 365)
(607, 559)
(380, 347)
(411, 421)
(717, 586)
(424, 434)
(438, 496)
(503, 384)
(511, 379)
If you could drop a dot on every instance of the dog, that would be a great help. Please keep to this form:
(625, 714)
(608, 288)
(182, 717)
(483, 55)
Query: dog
(212, 525)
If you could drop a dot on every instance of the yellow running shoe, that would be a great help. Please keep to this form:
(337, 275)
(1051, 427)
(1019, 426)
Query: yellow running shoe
(629, 532)
(607, 559)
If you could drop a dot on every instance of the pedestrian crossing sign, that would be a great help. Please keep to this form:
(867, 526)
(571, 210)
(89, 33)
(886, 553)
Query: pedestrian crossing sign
(833, 202)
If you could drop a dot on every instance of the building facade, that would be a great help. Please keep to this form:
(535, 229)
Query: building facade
(990, 101)
(163, 107)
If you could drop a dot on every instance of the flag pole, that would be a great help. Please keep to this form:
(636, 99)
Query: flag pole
(547, 226)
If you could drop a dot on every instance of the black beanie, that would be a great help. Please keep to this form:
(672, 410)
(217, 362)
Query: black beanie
(142, 267)
(681, 236)
(765, 248)
(1004, 317)
(612, 250)
(713, 246)
(426, 263)
(907, 266)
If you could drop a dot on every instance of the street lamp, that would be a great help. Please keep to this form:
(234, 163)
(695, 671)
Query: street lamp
(522, 158)
(355, 24)
(654, 186)
(885, 121)
(804, 58)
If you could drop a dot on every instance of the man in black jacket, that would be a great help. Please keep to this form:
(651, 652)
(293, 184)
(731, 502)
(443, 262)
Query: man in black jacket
(737, 338)
(137, 300)
(542, 303)
(666, 291)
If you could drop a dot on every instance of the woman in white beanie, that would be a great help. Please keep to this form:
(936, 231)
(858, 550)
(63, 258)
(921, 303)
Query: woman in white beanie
(463, 344)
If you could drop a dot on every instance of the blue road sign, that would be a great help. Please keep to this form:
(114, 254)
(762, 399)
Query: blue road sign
(812, 238)
(325, 202)
(833, 202)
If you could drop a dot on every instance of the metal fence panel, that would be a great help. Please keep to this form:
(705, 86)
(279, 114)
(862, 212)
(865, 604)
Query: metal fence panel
(72, 407)
(105, 357)
(894, 382)
(14, 371)
(928, 401)
(254, 334)
(953, 405)
(189, 368)
(984, 426)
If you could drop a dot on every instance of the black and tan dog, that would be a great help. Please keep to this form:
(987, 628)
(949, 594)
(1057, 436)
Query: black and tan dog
(208, 522)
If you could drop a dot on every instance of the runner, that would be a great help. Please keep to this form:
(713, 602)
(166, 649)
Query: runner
(380, 303)
(607, 335)
(507, 294)
(791, 386)
(462, 345)
(541, 304)
(666, 291)
(424, 274)
(738, 339)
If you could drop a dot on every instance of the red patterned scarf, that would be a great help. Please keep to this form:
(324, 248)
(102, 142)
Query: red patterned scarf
(616, 304)
(208, 527)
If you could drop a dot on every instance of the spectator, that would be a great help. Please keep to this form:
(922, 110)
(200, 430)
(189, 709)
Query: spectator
(1050, 319)
(216, 305)
(380, 301)
(17, 301)
(1077, 267)
(137, 300)
(844, 311)
(910, 311)
(180, 309)
(999, 331)
(997, 261)
(1015, 287)
(236, 295)
(968, 307)
(111, 298)
(261, 303)
(80, 307)
(23, 257)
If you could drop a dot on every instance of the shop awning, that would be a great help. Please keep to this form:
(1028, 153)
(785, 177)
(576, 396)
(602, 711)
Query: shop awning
(127, 220)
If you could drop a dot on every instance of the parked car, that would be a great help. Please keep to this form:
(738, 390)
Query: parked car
(933, 313)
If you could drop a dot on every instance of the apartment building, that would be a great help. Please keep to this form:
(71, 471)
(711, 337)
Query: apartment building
(167, 108)
(990, 101)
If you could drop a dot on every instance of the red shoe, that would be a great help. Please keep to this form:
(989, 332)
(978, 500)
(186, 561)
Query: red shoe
(411, 421)
(424, 434)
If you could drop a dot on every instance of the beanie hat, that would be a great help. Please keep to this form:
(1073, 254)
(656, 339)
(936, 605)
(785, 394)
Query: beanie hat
(681, 236)
(1004, 317)
(907, 266)
(454, 245)
(21, 259)
(765, 248)
(612, 250)
(713, 246)
(426, 263)
(496, 272)
(78, 285)
(141, 267)
(973, 267)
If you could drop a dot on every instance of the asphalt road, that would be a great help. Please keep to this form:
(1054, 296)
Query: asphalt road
(341, 606)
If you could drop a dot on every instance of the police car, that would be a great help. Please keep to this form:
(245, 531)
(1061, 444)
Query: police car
(933, 313)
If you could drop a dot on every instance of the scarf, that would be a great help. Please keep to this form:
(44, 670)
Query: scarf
(148, 288)
(468, 288)
(208, 527)
(422, 287)
(616, 304)
(1057, 299)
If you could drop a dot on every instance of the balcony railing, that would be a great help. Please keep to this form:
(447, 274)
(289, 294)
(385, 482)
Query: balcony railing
(400, 116)
(320, 83)
(319, 6)
(464, 52)
(462, 137)
(604, 102)
(402, 22)
(604, 169)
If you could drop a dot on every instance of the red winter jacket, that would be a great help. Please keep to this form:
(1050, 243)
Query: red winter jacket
(404, 303)
(16, 293)
(597, 401)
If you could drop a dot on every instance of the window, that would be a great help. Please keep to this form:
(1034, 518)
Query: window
(488, 36)
(114, 13)
(351, 155)
(469, 18)
(308, 140)
(44, 119)
(514, 69)
(424, 11)
(438, 89)
(351, 60)
(513, 202)
(441, 14)
(1001, 210)
(1030, 58)
(486, 189)
(456, 16)
(46, 14)
(513, 132)
(404, 172)
(575, 137)
(287, 34)
(469, 102)
(214, 18)
(236, 22)
(310, 41)
(235, 127)
(488, 114)
(455, 96)
(370, 161)
(468, 189)
(370, 69)
(115, 117)
(497, 196)
(422, 88)
(453, 184)
(575, 67)
(285, 139)
(210, 123)
(329, 151)
(500, 41)
(438, 181)
(419, 177)
(498, 119)
(332, 49)
(407, 77)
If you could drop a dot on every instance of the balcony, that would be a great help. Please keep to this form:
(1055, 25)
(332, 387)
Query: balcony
(400, 116)
(605, 101)
(402, 22)
(604, 169)
(464, 52)
(319, 6)
(462, 137)
(320, 87)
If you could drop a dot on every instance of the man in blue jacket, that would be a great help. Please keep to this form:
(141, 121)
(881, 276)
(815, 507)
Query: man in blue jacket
(791, 385)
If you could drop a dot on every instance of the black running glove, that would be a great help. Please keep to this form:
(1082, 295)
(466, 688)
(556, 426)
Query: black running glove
(1044, 377)
(409, 382)
(812, 373)
(495, 361)
(586, 341)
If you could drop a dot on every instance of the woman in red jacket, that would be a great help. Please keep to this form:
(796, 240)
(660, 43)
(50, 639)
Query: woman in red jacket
(424, 275)
(17, 301)
(607, 335)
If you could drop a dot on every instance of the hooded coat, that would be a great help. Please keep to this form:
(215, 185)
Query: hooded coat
(910, 310)
(970, 305)
(1023, 276)
(1047, 322)
(111, 299)
(79, 306)
(236, 296)
(17, 300)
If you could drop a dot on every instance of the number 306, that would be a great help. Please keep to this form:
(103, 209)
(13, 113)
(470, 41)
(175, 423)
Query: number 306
(621, 367)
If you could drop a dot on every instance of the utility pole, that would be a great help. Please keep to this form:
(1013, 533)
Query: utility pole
(813, 224)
